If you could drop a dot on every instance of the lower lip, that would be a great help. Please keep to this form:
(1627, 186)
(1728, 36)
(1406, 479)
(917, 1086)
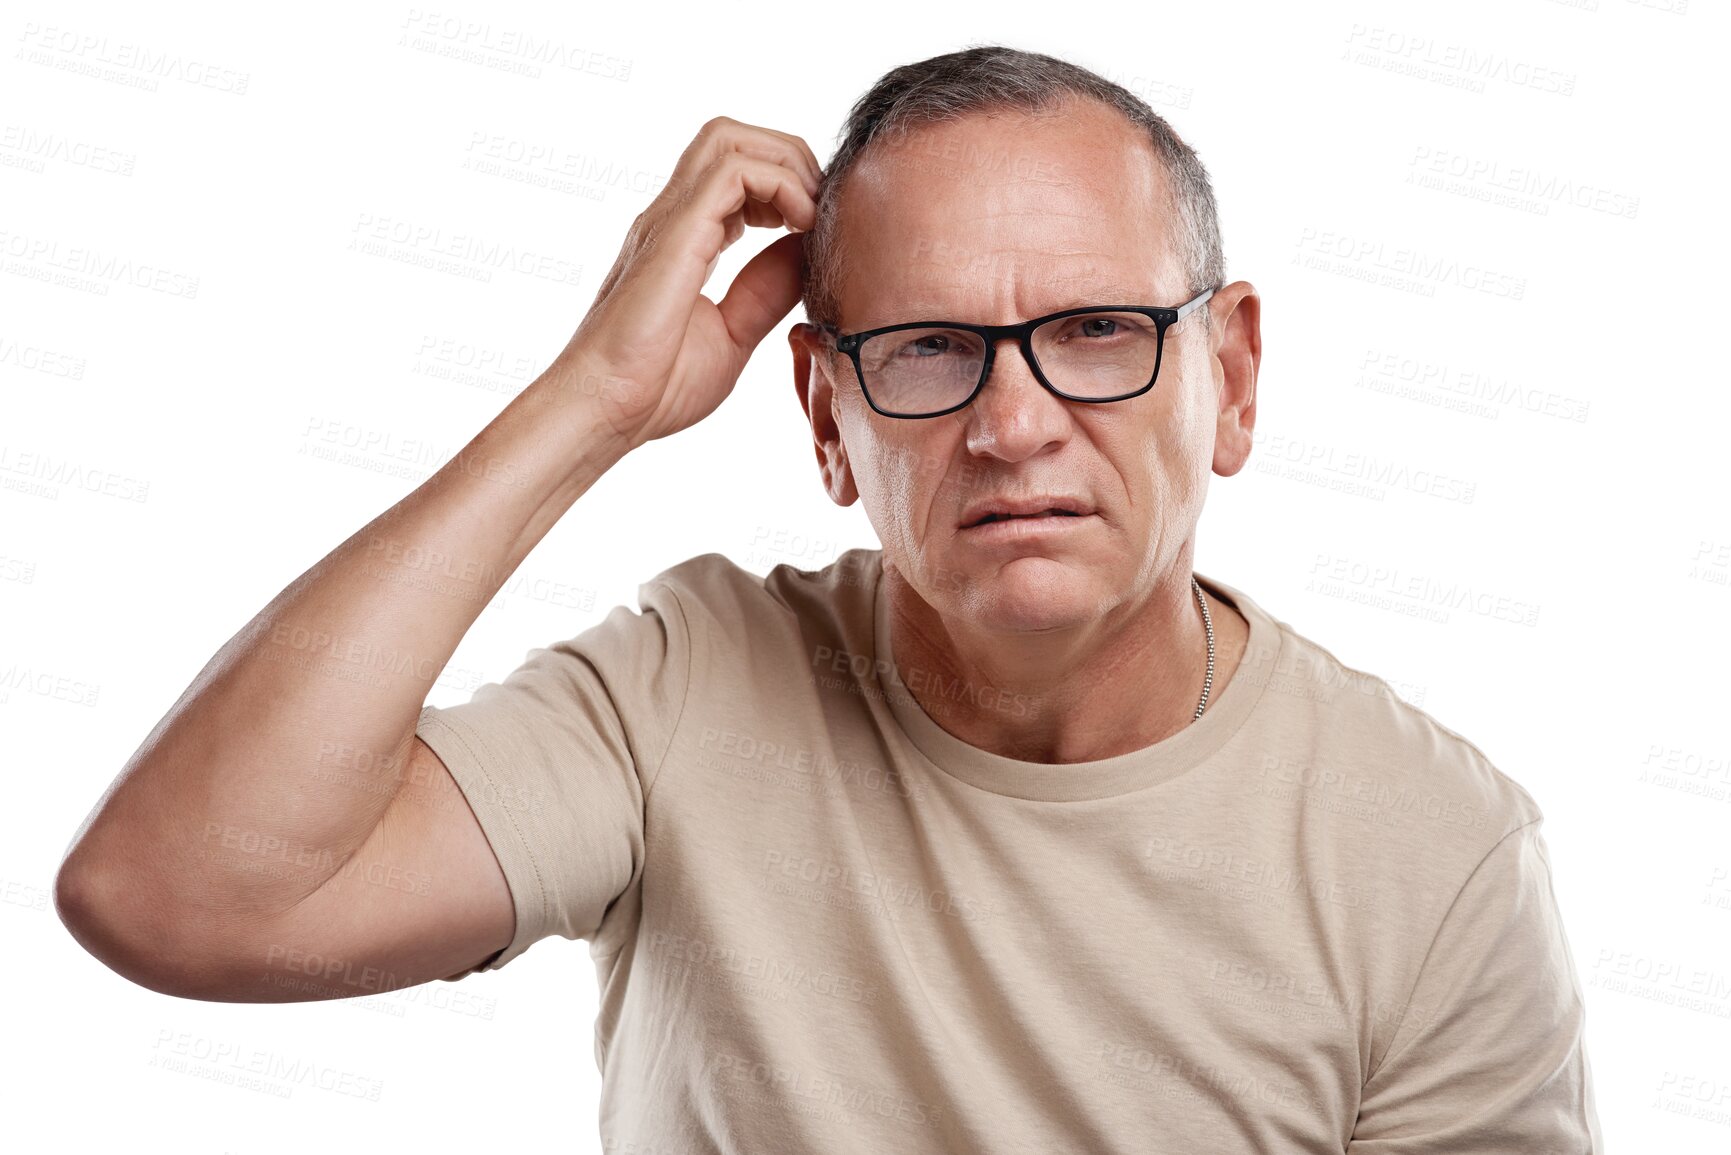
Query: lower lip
(1018, 529)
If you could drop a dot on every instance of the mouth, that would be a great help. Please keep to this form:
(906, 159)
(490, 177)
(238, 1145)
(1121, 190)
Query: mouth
(991, 517)
(1041, 508)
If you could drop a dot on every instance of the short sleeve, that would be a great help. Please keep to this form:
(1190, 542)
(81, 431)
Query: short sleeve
(558, 760)
(1491, 1055)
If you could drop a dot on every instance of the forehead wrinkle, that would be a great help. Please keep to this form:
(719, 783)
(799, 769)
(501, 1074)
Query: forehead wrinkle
(1074, 292)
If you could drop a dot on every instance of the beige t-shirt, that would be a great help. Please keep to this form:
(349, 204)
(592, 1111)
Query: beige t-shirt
(1314, 920)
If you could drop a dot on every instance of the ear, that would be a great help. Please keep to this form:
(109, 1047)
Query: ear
(816, 389)
(1237, 356)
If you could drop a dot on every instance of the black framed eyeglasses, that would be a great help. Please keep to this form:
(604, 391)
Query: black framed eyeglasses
(1094, 354)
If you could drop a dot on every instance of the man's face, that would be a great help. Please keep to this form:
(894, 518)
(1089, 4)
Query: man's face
(996, 219)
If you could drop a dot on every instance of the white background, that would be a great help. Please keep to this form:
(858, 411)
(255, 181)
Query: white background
(1548, 174)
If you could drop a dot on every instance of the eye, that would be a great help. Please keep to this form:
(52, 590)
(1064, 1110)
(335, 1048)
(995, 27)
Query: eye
(932, 344)
(1099, 329)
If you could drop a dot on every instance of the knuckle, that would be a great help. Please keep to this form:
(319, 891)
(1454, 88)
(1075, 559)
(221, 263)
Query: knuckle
(640, 241)
(718, 169)
(725, 163)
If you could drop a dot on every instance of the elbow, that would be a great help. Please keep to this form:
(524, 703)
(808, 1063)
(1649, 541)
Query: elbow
(120, 929)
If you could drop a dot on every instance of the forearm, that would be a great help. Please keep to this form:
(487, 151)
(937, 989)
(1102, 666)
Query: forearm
(282, 756)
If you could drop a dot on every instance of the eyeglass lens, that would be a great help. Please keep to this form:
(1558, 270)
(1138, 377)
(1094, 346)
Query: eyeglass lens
(1098, 355)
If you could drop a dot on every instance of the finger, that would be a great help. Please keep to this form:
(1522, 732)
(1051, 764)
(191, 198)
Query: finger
(763, 216)
(742, 184)
(805, 150)
(683, 250)
(722, 135)
(800, 157)
(764, 292)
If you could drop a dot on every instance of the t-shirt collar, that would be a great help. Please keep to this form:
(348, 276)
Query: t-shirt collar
(1228, 707)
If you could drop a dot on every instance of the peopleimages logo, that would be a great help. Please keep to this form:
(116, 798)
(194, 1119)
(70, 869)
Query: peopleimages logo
(936, 685)
(1432, 167)
(1453, 65)
(1390, 587)
(1369, 258)
(94, 55)
(1279, 449)
(91, 269)
(463, 253)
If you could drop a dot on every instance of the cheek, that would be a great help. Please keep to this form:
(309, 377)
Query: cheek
(1175, 454)
(889, 472)
(868, 453)
(1192, 421)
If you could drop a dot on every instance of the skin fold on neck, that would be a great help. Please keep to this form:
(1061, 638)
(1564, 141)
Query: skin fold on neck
(1124, 686)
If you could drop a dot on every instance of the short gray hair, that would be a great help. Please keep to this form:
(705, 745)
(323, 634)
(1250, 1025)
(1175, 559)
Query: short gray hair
(991, 77)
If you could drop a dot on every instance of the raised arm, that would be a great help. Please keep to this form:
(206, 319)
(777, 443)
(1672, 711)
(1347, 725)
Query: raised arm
(283, 809)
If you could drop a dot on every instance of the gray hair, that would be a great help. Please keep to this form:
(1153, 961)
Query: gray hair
(992, 77)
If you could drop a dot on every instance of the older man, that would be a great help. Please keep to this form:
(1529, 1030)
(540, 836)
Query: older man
(1012, 835)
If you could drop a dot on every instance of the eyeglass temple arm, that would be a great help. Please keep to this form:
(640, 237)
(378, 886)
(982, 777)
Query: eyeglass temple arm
(1191, 306)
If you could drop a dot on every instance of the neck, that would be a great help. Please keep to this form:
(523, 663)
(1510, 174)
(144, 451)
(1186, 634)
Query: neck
(1117, 684)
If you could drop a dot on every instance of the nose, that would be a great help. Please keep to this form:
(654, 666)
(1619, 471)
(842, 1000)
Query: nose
(1014, 417)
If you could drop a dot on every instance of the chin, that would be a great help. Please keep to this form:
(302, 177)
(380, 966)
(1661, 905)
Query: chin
(1030, 593)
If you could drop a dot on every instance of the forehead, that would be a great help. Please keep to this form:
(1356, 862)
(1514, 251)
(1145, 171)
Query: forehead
(1003, 215)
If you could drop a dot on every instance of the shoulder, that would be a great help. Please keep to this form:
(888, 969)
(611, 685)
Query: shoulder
(1396, 811)
(1369, 748)
(709, 577)
(723, 602)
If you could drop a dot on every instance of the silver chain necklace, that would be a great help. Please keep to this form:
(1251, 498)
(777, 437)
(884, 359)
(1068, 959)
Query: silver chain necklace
(1208, 625)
